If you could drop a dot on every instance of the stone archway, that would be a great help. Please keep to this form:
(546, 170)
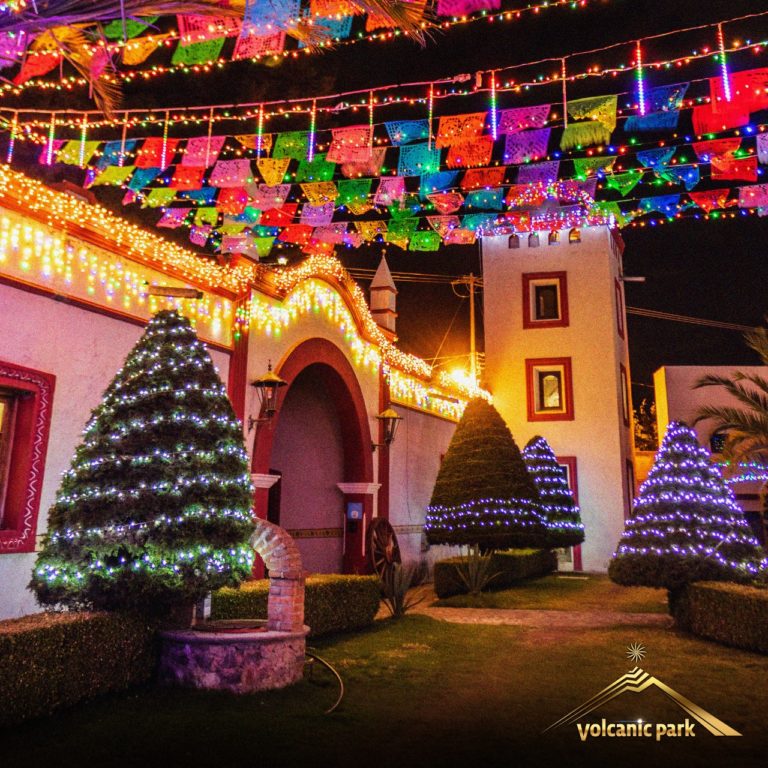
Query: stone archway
(334, 439)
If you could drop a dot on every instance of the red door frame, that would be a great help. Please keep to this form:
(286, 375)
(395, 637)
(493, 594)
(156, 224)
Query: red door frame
(339, 379)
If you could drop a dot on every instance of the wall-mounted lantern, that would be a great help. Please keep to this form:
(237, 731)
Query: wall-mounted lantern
(390, 418)
(267, 386)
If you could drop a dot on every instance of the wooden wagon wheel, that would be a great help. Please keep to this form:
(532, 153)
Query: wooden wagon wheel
(383, 546)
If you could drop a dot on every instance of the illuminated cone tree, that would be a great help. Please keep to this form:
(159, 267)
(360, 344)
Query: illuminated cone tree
(155, 510)
(686, 525)
(483, 494)
(561, 513)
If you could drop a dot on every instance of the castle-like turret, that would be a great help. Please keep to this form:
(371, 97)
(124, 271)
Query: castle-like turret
(384, 297)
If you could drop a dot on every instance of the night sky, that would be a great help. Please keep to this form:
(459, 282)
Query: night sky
(715, 270)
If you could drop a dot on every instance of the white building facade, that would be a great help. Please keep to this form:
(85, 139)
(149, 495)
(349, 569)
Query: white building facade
(557, 365)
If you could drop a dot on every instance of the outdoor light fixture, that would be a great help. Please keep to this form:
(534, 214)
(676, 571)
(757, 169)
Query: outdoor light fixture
(390, 419)
(174, 292)
(266, 385)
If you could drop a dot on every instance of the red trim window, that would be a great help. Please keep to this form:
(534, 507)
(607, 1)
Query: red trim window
(630, 489)
(549, 389)
(26, 397)
(624, 394)
(568, 463)
(620, 313)
(545, 300)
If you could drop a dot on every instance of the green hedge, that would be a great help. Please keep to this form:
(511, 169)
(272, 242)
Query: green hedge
(732, 614)
(333, 603)
(511, 565)
(52, 660)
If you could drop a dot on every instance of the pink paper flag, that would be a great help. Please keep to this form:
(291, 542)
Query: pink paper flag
(390, 190)
(202, 150)
(231, 173)
(253, 46)
(521, 118)
(196, 29)
(264, 197)
(350, 145)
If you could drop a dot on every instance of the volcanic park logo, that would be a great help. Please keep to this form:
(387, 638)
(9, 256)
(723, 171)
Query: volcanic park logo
(637, 681)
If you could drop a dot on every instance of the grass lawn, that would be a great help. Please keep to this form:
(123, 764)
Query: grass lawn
(422, 692)
(567, 593)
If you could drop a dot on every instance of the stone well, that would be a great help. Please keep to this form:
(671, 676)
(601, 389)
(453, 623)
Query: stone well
(269, 657)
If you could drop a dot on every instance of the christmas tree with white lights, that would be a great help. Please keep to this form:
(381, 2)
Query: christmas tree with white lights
(155, 510)
(561, 513)
(484, 494)
(686, 525)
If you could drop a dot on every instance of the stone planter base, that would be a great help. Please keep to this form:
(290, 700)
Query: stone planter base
(240, 662)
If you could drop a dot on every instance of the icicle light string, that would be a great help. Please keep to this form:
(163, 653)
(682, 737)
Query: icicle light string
(541, 80)
(640, 83)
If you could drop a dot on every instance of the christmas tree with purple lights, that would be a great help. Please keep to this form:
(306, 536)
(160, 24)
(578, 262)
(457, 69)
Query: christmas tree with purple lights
(562, 517)
(686, 525)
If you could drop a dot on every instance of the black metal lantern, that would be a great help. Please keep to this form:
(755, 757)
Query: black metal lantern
(267, 386)
(390, 418)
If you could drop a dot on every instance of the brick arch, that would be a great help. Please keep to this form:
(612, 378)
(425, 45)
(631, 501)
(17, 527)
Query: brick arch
(285, 603)
(331, 365)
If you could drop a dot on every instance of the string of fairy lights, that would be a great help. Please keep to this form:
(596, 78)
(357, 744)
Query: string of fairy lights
(146, 45)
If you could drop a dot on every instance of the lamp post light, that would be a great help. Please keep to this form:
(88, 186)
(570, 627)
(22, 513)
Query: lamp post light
(267, 386)
(390, 418)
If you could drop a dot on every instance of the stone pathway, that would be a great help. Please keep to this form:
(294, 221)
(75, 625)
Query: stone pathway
(533, 619)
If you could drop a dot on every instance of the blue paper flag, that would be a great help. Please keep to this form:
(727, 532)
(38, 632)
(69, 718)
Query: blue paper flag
(110, 155)
(656, 121)
(436, 182)
(651, 158)
(487, 199)
(204, 196)
(418, 159)
(143, 177)
(407, 131)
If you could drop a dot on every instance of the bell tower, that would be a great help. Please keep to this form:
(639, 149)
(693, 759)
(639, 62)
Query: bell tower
(557, 364)
(384, 297)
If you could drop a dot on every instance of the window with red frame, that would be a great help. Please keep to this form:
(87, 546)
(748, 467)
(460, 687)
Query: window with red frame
(549, 389)
(619, 308)
(26, 398)
(545, 300)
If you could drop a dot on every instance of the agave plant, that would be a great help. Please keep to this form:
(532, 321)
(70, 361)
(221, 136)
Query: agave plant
(73, 26)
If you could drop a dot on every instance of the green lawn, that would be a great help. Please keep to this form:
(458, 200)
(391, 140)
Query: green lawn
(421, 692)
(567, 593)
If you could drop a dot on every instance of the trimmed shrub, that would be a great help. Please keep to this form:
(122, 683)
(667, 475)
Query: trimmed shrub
(731, 614)
(483, 492)
(53, 660)
(332, 602)
(512, 566)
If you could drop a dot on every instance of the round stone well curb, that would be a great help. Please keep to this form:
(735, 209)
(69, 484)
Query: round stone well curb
(240, 662)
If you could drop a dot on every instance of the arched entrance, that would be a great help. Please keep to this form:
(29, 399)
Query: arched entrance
(319, 438)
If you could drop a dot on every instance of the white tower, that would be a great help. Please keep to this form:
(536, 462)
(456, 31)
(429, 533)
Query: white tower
(557, 364)
(384, 297)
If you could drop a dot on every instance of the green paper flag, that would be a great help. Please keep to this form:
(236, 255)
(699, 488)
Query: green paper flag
(159, 197)
(624, 183)
(294, 144)
(425, 241)
(317, 170)
(114, 174)
(206, 215)
(589, 166)
(198, 53)
(353, 191)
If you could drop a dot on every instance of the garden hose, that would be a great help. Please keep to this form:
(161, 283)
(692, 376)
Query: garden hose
(327, 664)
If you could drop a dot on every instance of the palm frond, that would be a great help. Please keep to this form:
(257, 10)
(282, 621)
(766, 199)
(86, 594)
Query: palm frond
(758, 341)
(752, 397)
(46, 14)
(408, 15)
(738, 420)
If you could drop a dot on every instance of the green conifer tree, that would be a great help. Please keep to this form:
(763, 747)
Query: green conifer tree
(561, 513)
(155, 510)
(686, 525)
(483, 493)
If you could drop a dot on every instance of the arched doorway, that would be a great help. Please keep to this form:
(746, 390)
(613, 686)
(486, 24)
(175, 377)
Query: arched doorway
(319, 438)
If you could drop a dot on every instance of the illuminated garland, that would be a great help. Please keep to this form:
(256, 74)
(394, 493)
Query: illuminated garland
(65, 211)
(486, 516)
(47, 256)
(686, 524)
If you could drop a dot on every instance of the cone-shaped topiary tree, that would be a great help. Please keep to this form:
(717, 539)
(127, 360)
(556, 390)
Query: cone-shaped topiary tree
(155, 510)
(686, 524)
(483, 493)
(561, 513)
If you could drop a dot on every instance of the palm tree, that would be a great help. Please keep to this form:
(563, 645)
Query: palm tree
(746, 425)
(74, 28)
